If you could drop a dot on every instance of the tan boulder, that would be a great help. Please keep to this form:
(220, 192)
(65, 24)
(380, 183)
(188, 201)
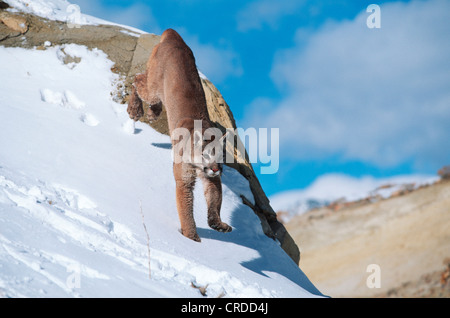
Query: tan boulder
(444, 172)
(15, 22)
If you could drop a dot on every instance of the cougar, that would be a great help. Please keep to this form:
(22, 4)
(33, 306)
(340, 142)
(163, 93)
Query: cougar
(172, 79)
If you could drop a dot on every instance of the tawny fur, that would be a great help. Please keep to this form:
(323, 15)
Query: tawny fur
(171, 79)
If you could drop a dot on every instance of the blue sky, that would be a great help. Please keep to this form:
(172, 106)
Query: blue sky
(346, 98)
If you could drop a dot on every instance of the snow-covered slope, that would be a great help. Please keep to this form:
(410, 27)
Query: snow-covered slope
(78, 181)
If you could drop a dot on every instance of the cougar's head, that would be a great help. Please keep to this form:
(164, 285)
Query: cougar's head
(212, 147)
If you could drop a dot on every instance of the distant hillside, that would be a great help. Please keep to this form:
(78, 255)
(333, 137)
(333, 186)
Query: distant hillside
(339, 190)
(407, 235)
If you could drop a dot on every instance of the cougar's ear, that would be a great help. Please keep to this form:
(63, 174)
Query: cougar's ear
(198, 139)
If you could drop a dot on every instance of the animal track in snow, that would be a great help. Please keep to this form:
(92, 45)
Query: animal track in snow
(68, 218)
(68, 212)
(68, 99)
(65, 99)
(89, 119)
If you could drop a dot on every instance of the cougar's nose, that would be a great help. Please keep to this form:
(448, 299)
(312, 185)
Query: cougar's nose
(214, 170)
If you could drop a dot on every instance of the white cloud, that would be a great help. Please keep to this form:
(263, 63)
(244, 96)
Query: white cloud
(376, 95)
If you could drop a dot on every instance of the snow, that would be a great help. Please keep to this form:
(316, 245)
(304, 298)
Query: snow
(203, 76)
(59, 10)
(75, 173)
(331, 187)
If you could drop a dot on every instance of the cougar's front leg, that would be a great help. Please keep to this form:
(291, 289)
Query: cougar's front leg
(213, 194)
(185, 200)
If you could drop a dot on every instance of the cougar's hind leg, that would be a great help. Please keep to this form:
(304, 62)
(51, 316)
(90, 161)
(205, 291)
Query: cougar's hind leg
(147, 89)
(139, 93)
(135, 109)
(213, 194)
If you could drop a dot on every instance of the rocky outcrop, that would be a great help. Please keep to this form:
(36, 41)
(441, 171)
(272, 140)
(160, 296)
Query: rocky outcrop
(14, 22)
(130, 51)
(444, 172)
(113, 40)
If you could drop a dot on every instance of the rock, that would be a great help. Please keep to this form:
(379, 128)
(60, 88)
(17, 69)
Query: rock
(444, 172)
(142, 51)
(220, 114)
(15, 22)
(3, 5)
(119, 46)
(445, 275)
(283, 216)
(338, 204)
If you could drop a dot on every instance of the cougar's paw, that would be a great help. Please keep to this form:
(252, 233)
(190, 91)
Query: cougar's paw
(135, 113)
(151, 117)
(221, 227)
(135, 109)
(193, 236)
